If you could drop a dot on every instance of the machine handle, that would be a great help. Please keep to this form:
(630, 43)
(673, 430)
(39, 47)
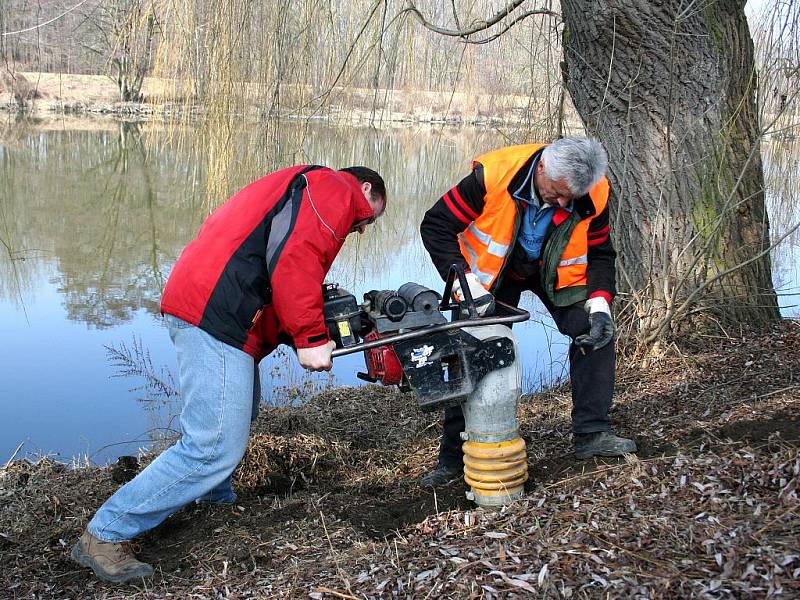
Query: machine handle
(517, 315)
(469, 302)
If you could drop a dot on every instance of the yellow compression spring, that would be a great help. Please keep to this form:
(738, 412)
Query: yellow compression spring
(496, 471)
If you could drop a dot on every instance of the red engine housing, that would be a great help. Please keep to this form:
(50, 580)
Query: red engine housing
(382, 362)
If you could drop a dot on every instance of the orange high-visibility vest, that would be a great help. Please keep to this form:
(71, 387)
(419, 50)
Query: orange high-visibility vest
(487, 242)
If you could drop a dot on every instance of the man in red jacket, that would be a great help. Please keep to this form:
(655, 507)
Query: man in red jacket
(251, 280)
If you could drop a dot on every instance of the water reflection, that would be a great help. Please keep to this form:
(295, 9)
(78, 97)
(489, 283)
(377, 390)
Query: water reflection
(91, 201)
(114, 207)
(782, 176)
(93, 215)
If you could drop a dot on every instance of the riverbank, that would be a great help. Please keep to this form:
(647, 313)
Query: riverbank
(328, 507)
(63, 93)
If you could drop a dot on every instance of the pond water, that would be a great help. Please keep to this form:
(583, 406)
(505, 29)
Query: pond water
(92, 218)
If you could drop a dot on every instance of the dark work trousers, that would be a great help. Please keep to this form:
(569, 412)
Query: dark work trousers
(591, 374)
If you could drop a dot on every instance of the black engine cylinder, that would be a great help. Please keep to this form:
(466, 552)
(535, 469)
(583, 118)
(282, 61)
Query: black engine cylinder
(387, 302)
(419, 297)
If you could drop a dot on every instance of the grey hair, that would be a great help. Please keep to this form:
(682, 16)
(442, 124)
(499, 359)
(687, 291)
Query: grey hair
(579, 161)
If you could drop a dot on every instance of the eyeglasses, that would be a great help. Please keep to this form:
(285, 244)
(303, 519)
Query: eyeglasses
(357, 226)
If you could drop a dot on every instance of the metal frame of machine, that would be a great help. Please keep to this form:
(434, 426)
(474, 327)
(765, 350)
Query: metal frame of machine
(407, 341)
(514, 315)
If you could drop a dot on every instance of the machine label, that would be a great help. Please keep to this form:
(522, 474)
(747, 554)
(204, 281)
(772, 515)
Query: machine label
(344, 329)
(420, 355)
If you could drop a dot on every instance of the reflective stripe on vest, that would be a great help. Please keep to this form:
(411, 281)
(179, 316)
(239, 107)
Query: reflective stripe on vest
(484, 278)
(578, 260)
(497, 249)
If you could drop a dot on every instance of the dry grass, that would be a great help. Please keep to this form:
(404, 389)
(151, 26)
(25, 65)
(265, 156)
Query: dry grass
(328, 507)
(281, 464)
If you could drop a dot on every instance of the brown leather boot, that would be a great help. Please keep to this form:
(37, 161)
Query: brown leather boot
(110, 561)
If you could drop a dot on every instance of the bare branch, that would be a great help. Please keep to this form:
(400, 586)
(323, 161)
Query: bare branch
(40, 25)
(481, 25)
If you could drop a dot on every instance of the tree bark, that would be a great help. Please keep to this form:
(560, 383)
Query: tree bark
(669, 87)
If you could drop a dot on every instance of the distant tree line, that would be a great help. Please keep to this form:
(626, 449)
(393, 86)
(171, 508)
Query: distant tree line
(319, 43)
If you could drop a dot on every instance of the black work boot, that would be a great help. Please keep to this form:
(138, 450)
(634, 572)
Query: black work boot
(441, 475)
(602, 443)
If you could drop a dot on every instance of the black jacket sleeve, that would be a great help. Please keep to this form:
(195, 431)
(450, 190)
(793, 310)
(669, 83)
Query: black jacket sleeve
(451, 215)
(601, 272)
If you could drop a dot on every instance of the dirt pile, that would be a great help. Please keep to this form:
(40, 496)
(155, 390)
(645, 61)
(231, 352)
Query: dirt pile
(280, 464)
(328, 506)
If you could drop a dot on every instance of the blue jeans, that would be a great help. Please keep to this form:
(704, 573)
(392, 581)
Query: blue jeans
(220, 392)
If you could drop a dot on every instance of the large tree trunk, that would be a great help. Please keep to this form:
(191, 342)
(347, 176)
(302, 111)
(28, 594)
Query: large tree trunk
(670, 89)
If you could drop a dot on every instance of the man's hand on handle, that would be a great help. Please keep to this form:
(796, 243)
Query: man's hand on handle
(601, 330)
(484, 301)
(317, 358)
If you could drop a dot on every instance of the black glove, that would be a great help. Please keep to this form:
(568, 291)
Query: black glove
(601, 331)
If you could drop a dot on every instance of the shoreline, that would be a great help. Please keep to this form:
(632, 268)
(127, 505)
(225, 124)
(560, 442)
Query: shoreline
(65, 95)
(96, 95)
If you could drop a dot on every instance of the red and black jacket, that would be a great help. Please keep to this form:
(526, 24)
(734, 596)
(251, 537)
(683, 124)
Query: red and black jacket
(252, 278)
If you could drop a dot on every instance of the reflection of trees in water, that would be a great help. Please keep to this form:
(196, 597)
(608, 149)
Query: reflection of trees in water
(109, 211)
(19, 252)
(124, 221)
(116, 207)
(782, 179)
(115, 269)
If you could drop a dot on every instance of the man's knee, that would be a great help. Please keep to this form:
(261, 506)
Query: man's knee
(220, 452)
